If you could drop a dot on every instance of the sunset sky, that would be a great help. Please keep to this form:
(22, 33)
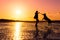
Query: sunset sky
(25, 9)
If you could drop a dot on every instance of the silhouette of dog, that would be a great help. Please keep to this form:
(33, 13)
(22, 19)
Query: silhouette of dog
(46, 18)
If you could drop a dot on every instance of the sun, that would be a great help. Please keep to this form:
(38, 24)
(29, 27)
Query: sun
(18, 12)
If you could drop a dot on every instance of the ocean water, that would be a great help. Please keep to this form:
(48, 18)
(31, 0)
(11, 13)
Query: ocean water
(27, 31)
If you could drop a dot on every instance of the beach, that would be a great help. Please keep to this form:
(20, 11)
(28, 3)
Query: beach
(27, 31)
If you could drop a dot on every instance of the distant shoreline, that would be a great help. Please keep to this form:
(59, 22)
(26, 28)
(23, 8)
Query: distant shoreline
(7, 20)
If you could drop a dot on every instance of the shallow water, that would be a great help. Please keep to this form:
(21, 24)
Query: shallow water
(27, 31)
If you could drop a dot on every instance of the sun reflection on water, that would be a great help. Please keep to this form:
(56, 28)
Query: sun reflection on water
(17, 32)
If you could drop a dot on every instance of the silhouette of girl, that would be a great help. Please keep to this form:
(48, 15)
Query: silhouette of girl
(36, 16)
(36, 26)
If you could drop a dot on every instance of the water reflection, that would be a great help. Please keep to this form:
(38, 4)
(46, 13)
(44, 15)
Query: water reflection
(26, 31)
(17, 33)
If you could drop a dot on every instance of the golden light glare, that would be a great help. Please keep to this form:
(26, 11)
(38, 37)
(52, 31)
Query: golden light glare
(17, 33)
(18, 12)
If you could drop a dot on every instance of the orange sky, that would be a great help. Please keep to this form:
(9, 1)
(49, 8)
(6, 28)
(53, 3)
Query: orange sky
(25, 9)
